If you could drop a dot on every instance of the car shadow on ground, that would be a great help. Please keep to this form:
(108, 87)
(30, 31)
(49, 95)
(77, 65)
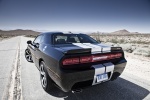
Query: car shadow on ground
(119, 89)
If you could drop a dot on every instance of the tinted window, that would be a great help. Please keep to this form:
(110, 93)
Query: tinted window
(38, 39)
(46, 39)
(72, 38)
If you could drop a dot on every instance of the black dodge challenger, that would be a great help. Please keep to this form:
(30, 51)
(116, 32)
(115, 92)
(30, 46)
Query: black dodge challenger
(73, 61)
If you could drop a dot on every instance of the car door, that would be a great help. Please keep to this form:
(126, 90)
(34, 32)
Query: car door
(36, 44)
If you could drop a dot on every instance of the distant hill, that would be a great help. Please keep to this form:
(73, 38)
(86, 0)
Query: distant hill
(121, 32)
(18, 32)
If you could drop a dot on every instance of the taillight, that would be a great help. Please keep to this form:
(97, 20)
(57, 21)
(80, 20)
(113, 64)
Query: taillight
(88, 59)
(118, 55)
(70, 61)
(85, 59)
(99, 58)
(112, 56)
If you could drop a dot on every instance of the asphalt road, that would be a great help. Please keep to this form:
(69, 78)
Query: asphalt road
(126, 87)
(8, 50)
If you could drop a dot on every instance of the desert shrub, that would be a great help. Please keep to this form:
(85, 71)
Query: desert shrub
(33, 36)
(140, 42)
(99, 40)
(145, 46)
(114, 41)
(121, 41)
(5, 36)
(142, 51)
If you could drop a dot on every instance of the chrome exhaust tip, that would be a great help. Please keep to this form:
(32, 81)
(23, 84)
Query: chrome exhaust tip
(77, 91)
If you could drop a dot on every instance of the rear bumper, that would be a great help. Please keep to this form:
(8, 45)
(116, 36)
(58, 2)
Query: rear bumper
(118, 69)
(69, 80)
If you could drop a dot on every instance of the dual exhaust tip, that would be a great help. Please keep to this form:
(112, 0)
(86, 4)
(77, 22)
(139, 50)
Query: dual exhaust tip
(77, 91)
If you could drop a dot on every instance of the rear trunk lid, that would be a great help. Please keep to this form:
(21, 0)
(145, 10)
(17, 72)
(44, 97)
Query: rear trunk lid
(78, 48)
(84, 55)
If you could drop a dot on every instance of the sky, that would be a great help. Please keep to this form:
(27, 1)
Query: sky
(76, 15)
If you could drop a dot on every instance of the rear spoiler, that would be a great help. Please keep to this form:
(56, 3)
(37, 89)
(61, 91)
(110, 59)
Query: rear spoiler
(78, 51)
(116, 49)
(88, 50)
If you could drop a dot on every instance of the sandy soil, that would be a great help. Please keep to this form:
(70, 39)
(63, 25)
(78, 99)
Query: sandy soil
(2, 38)
(138, 66)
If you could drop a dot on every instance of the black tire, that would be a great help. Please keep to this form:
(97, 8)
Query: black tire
(46, 81)
(28, 55)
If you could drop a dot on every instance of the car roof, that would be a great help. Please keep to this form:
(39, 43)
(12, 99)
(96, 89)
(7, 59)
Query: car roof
(49, 33)
(52, 33)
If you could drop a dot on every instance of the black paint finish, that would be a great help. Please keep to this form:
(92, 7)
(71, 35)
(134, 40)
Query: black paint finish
(44, 49)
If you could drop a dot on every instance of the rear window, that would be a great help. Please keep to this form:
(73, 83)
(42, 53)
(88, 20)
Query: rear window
(72, 38)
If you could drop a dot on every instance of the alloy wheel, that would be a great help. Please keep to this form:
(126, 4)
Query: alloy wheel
(28, 56)
(43, 76)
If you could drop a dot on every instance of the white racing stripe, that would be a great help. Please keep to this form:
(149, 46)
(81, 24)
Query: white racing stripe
(109, 68)
(105, 48)
(99, 69)
(92, 45)
(81, 45)
(102, 69)
(94, 48)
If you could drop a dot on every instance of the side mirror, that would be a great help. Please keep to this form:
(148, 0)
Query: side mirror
(29, 42)
(36, 45)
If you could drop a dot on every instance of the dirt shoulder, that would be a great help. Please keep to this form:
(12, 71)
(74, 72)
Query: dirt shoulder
(4, 38)
(138, 66)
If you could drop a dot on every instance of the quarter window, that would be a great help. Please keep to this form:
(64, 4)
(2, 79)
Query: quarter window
(38, 39)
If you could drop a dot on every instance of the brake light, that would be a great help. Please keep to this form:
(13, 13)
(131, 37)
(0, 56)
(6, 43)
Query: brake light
(111, 56)
(85, 59)
(70, 61)
(99, 58)
(118, 55)
(88, 59)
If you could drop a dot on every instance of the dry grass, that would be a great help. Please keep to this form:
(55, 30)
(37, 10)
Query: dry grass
(142, 51)
(32, 36)
(4, 37)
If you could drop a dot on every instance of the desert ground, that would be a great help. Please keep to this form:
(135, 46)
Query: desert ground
(137, 44)
(20, 79)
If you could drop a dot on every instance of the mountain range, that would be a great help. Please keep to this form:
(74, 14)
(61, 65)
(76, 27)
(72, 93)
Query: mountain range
(35, 33)
(18, 32)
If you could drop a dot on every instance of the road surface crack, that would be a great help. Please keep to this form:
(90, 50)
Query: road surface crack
(14, 91)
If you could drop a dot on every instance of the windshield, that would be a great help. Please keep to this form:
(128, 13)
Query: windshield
(72, 38)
